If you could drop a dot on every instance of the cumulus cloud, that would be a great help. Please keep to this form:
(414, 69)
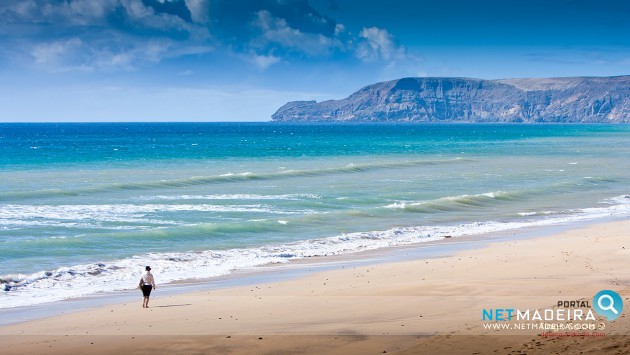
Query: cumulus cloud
(339, 29)
(377, 43)
(199, 11)
(105, 34)
(151, 17)
(277, 31)
(61, 13)
(264, 61)
(299, 15)
(126, 34)
(128, 54)
(45, 53)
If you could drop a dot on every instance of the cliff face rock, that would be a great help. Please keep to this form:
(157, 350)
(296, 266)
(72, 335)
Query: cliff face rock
(562, 100)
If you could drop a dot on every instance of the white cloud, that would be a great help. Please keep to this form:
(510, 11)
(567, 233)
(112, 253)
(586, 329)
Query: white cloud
(76, 55)
(77, 12)
(138, 34)
(152, 51)
(24, 8)
(116, 60)
(339, 28)
(277, 31)
(54, 52)
(94, 43)
(95, 13)
(264, 61)
(199, 10)
(89, 9)
(377, 43)
(145, 16)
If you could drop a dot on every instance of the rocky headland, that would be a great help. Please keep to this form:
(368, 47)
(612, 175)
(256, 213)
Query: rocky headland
(438, 99)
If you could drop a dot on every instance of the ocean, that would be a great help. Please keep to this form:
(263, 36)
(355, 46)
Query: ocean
(84, 207)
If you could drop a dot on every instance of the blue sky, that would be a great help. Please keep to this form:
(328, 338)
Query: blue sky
(239, 60)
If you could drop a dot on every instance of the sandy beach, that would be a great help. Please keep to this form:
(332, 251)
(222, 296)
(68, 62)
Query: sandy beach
(407, 307)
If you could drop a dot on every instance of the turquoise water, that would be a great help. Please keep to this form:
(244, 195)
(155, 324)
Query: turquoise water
(83, 207)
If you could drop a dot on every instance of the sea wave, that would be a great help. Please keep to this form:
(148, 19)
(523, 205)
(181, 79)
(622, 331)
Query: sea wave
(495, 198)
(288, 197)
(129, 213)
(454, 203)
(115, 275)
(227, 178)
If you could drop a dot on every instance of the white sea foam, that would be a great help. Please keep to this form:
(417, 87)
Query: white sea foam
(527, 213)
(462, 199)
(130, 213)
(114, 275)
(291, 197)
(247, 173)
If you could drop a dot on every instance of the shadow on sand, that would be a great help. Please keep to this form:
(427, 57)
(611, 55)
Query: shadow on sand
(174, 305)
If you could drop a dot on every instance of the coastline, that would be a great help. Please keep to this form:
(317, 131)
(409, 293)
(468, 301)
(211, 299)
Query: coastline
(296, 268)
(405, 304)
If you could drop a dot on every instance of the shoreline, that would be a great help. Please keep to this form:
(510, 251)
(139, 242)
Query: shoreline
(296, 268)
(413, 303)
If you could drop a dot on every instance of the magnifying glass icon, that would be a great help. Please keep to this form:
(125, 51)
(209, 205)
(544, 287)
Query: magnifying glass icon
(610, 306)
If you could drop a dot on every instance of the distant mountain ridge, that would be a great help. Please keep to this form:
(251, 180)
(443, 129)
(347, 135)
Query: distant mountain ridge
(442, 99)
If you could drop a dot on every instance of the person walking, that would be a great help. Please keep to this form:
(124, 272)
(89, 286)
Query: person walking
(147, 283)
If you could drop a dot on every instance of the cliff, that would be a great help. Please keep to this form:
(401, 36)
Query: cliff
(561, 100)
